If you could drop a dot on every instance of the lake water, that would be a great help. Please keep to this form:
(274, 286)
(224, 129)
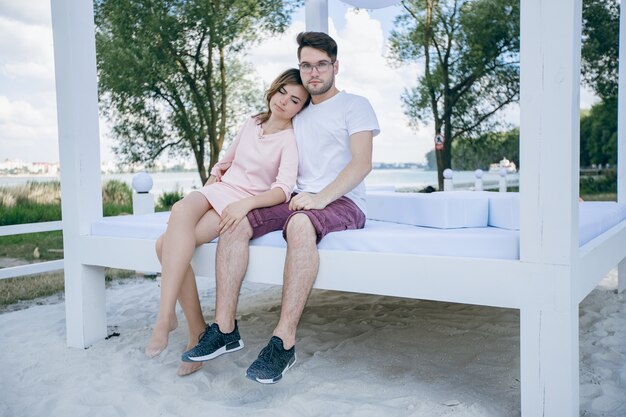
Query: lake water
(170, 181)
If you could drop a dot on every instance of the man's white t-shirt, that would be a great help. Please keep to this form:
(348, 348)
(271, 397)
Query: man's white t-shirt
(323, 136)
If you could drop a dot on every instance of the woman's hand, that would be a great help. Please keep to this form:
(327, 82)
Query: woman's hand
(233, 214)
(221, 170)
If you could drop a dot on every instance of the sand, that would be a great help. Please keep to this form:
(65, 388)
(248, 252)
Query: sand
(358, 355)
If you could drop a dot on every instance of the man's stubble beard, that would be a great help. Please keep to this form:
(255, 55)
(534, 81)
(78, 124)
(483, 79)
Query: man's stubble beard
(323, 87)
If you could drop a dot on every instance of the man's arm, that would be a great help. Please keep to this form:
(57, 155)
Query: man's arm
(357, 169)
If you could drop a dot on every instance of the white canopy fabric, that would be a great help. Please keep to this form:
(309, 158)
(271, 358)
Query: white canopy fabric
(371, 4)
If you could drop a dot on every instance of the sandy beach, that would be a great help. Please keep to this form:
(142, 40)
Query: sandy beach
(358, 355)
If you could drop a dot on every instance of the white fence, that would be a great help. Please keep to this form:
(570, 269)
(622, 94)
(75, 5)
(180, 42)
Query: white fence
(38, 267)
(479, 184)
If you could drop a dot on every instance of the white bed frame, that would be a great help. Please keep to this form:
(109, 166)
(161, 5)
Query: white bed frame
(547, 284)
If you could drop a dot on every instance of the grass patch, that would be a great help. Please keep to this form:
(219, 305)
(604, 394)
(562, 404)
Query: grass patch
(599, 197)
(48, 244)
(14, 290)
(21, 289)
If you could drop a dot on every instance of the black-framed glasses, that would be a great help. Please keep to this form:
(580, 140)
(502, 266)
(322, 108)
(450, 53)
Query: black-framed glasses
(321, 66)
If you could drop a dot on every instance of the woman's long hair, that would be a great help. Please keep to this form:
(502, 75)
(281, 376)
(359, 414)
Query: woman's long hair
(291, 76)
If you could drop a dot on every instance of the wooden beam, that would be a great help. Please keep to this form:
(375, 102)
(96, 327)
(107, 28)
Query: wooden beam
(79, 155)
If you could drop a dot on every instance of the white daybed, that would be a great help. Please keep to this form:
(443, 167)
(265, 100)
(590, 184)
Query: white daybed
(546, 282)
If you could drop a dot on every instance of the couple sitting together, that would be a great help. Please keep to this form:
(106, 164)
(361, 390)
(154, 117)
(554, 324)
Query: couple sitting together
(297, 167)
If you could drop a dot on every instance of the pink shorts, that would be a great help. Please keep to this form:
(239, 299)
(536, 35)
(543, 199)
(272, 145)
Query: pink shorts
(341, 214)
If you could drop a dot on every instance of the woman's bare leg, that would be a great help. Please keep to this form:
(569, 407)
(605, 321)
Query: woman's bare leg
(177, 246)
(206, 231)
(190, 302)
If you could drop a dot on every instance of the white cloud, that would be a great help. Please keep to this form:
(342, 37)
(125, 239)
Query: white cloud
(34, 12)
(28, 102)
(28, 132)
(21, 41)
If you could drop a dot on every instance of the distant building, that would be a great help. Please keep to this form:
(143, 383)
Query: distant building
(19, 167)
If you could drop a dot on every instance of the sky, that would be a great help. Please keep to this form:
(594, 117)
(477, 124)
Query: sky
(28, 99)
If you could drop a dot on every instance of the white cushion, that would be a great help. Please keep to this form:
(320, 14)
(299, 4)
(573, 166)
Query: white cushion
(442, 210)
(595, 217)
(504, 210)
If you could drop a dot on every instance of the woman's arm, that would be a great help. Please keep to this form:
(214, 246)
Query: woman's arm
(235, 212)
(279, 192)
(227, 160)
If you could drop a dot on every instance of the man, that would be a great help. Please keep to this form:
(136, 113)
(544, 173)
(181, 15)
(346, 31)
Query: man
(334, 135)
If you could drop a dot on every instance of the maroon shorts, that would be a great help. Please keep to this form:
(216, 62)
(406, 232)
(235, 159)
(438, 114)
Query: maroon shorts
(341, 214)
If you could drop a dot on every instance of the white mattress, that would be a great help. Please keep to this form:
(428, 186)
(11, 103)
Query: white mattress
(381, 236)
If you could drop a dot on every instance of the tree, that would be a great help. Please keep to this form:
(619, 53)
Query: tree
(469, 51)
(170, 72)
(472, 153)
(598, 133)
(600, 50)
(600, 47)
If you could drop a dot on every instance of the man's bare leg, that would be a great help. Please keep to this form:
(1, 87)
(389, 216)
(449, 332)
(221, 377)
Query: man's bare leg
(233, 250)
(301, 267)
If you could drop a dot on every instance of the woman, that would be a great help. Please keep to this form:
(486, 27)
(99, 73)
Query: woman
(258, 170)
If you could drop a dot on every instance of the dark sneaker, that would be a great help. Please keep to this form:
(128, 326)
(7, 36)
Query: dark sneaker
(213, 343)
(272, 363)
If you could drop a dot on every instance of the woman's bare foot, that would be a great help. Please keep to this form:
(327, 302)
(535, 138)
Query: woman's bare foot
(188, 368)
(160, 334)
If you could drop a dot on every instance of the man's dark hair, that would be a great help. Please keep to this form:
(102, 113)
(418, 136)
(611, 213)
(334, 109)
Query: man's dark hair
(317, 40)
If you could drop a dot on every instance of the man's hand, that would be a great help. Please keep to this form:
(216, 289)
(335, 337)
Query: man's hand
(233, 214)
(307, 201)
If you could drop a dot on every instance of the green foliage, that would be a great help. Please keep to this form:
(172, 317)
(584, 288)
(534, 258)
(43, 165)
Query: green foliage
(116, 192)
(41, 201)
(32, 192)
(469, 51)
(431, 160)
(29, 213)
(598, 134)
(472, 153)
(600, 48)
(599, 184)
(171, 75)
(168, 198)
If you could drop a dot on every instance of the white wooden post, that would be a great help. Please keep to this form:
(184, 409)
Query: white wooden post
(549, 362)
(502, 180)
(549, 132)
(447, 180)
(316, 15)
(621, 134)
(478, 182)
(79, 144)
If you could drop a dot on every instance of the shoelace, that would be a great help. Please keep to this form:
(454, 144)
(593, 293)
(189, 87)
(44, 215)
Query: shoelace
(207, 331)
(269, 352)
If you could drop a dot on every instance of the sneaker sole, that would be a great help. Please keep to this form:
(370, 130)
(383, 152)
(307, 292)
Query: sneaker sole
(276, 379)
(229, 348)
